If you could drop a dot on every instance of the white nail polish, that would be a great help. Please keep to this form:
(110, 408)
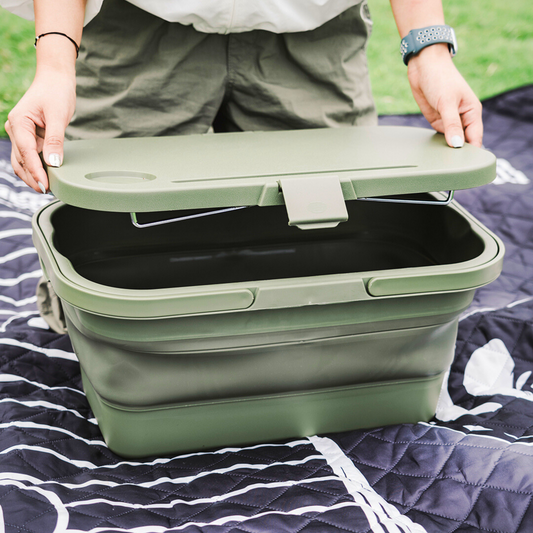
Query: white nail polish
(457, 141)
(54, 160)
(41, 186)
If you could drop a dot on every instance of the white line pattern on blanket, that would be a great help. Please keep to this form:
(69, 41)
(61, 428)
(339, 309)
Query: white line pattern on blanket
(476, 439)
(201, 501)
(18, 253)
(14, 233)
(17, 480)
(10, 282)
(24, 200)
(45, 427)
(49, 352)
(10, 378)
(14, 317)
(14, 214)
(18, 303)
(378, 511)
(41, 404)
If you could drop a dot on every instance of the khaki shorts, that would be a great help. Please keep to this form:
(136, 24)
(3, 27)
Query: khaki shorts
(139, 75)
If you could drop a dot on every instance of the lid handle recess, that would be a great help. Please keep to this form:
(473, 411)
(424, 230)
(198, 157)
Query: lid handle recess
(314, 202)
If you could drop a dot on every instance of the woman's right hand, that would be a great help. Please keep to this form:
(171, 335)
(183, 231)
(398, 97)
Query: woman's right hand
(37, 125)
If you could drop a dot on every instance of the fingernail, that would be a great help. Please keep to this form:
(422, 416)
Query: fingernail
(41, 186)
(54, 160)
(457, 141)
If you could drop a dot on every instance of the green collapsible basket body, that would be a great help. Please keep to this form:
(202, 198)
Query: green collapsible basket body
(237, 327)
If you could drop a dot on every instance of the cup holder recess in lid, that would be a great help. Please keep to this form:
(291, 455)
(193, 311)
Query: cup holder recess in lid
(119, 176)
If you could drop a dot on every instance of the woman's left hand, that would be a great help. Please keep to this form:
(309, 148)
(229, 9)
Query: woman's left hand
(444, 97)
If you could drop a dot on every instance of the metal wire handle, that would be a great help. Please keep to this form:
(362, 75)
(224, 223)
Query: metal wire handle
(137, 224)
(446, 201)
(180, 219)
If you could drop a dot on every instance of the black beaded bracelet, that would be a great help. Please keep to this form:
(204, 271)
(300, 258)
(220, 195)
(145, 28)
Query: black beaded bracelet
(59, 33)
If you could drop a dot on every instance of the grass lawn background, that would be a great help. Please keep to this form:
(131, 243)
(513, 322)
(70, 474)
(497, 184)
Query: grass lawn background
(495, 42)
(495, 52)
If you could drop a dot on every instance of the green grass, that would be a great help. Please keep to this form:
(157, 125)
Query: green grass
(495, 52)
(17, 61)
(495, 41)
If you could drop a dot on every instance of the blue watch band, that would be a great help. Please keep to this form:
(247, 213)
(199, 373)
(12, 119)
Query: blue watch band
(418, 39)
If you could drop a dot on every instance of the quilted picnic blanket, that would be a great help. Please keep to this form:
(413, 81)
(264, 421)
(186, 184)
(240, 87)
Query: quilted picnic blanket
(468, 470)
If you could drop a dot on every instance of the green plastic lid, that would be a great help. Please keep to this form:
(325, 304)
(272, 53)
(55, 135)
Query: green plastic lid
(303, 167)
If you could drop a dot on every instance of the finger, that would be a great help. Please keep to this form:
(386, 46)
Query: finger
(19, 171)
(54, 137)
(31, 163)
(40, 132)
(9, 131)
(473, 123)
(23, 175)
(474, 135)
(24, 147)
(452, 124)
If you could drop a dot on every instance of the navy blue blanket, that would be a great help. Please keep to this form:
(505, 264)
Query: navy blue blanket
(469, 470)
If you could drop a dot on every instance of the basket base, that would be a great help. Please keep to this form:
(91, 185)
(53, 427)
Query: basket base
(179, 428)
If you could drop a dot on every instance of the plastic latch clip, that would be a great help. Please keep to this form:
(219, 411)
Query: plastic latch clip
(314, 202)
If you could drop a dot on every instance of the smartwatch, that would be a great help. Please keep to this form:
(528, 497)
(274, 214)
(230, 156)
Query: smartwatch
(415, 40)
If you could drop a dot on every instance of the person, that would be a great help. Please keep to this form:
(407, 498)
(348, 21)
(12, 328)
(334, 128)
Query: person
(151, 67)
